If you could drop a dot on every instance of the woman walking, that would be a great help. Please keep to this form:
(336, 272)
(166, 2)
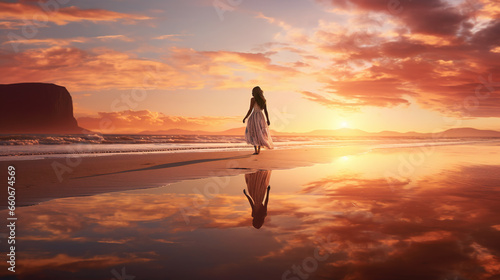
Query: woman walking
(257, 132)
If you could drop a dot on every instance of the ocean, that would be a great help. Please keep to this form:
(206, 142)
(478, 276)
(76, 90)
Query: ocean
(26, 147)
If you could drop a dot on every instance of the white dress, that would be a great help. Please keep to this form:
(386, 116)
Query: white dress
(257, 131)
(257, 187)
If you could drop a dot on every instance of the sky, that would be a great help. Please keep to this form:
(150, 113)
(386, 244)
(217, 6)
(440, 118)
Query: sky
(130, 66)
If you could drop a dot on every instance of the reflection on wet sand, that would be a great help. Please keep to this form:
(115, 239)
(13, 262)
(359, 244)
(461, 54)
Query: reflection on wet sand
(441, 223)
(258, 188)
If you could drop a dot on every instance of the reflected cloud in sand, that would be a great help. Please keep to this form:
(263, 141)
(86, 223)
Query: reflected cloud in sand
(440, 224)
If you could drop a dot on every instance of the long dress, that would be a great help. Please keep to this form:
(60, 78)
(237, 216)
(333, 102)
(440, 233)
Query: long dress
(257, 183)
(257, 188)
(257, 131)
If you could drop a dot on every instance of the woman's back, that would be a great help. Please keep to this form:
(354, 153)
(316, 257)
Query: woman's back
(256, 106)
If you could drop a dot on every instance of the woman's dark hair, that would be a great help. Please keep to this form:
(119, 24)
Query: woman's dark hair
(257, 222)
(258, 94)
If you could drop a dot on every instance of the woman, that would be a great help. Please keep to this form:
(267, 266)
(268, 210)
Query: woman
(257, 132)
(258, 188)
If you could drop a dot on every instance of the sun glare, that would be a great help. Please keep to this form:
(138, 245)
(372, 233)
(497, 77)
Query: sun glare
(344, 124)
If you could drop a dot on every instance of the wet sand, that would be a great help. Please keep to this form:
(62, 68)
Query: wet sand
(74, 175)
(399, 213)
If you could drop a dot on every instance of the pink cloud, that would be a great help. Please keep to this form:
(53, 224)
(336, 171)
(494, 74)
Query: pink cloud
(445, 62)
(440, 17)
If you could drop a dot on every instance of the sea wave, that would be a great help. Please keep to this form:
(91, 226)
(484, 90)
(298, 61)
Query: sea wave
(11, 140)
(40, 146)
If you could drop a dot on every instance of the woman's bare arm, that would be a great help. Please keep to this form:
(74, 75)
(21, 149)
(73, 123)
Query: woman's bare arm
(249, 199)
(252, 101)
(267, 196)
(267, 116)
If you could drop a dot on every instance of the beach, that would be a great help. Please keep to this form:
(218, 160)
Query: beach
(76, 175)
(424, 212)
(130, 134)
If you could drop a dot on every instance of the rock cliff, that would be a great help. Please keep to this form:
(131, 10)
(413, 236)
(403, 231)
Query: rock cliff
(36, 108)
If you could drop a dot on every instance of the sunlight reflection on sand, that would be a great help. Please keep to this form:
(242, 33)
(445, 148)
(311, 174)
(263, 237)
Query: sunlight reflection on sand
(440, 222)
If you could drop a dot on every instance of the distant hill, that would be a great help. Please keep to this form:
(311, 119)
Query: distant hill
(338, 132)
(466, 132)
(232, 131)
(177, 131)
(470, 132)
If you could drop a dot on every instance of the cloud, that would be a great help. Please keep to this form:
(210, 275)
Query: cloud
(229, 69)
(181, 68)
(130, 121)
(170, 37)
(115, 37)
(213, 61)
(447, 62)
(95, 69)
(10, 25)
(352, 103)
(440, 17)
(68, 262)
(60, 15)
(68, 41)
(379, 57)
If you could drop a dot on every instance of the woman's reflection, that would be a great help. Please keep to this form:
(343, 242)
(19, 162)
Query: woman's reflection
(258, 186)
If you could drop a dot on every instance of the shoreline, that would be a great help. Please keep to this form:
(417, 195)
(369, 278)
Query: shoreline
(42, 152)
(50, 178)
(45, 179)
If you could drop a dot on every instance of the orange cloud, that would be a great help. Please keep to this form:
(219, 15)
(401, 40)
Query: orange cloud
(485, 8)
(63, 42)
(171, 37)
(60, 15)
(226, 69)
(96, 69)
(9, 25)
(135, 121)
(102, 68)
